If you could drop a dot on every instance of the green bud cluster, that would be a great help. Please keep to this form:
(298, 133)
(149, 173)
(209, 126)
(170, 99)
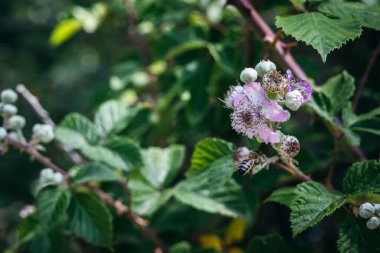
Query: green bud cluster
(49, 177)
(13, 123)
(370, 211)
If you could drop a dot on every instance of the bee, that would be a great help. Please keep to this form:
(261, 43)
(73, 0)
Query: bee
(247, 166)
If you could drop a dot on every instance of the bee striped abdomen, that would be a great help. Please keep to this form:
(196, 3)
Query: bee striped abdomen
(245, 166)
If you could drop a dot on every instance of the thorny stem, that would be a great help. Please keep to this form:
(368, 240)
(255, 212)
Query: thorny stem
(259, 26)
(293, 170)
(121, 209)
(45, 118)
(365, 76)
(331, 164)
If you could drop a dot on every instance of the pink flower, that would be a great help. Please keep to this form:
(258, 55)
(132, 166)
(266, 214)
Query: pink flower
(253, 112)
(300, 85)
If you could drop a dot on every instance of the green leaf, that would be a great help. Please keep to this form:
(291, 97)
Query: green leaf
(82, 125)
(207, 151)
(311, 204)
(367, 130)
(272, 243)
(70, 138)
(368, 116)
(126, 148)
(213, 190)
(204, 203)
(113, 116)
(181, 247)
(355, 237)
(185, 47)
(366, 15)
(91, 220)
(216, 52)
(351, 137)
(162, 164)
(216, 175)
(94, 172)
(283, 196)
(145, 199)
(362, 177)
(64, 31)
(105, 155)
(322, 33)
(348, 115)
(52, 203)
(339, 89)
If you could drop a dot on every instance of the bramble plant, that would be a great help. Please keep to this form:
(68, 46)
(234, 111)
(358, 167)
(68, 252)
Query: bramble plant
(183, 158)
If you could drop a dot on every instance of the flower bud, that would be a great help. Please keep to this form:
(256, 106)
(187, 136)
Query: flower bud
(240, 154)
(27, 211)
(377, 208)
(43, 133)
(8, 96)
(289, 146)
(231, 95)
(373, 222)
(3, 133)
(9, 110)
(293, 100)
(15, 136)
(16, 122)
(57, 178)
(248, 75)
(264, 67)
(366, 210)
(274, 85)
(46, 176)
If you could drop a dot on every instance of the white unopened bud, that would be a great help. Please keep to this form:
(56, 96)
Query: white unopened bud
(17, 122)
(377, 208)
(15, 136)
(57, 178)
(366, 210)
(8, 96)
(9, 110)
(373, 223)
(3, 133)
(46, 175)
(43, 133)
(265, 66)
(293, 100)
(26, 211)
(248, 75)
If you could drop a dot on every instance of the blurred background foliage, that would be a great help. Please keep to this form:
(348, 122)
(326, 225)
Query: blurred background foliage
(173, 60)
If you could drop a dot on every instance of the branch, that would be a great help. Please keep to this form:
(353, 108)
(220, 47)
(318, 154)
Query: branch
(365, 76)
(35, 154)
(261, 28)
(45, 118)
(294, 171)
(331, 164)
(120, 208)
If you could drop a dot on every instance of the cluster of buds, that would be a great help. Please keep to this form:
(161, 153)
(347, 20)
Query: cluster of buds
(49, 177)
(371, 212)
(13, 123)
(258, 105)
(26, 211)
